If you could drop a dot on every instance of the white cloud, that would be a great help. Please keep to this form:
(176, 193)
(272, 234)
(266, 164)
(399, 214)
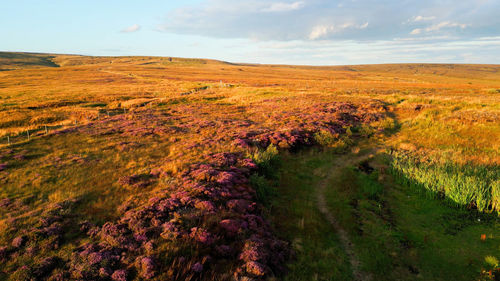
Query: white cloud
(438, 27)
(445, 24)
(416, 31)
(490, 38)
(320, 31)
(427, 38)
(132, 28)
(284, 7)
(422, 18)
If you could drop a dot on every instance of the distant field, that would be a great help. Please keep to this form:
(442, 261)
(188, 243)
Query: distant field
(158, 168)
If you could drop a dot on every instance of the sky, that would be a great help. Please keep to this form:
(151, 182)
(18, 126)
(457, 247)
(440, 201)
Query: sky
(312, 32)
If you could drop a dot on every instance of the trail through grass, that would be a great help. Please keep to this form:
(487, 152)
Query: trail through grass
(397, 233)
(319, 254)
(334, 171)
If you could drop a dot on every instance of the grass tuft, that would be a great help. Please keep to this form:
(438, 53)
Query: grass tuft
(467, 185)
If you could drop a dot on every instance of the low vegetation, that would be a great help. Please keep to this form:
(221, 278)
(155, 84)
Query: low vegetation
(469, 185)
(133, 168)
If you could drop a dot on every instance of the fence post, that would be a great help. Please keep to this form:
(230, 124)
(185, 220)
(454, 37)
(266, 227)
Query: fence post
(28, 132)
(46, 130)
(8, 140)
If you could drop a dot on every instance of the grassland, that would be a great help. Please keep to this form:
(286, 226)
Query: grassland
(399, 233)
(131, 168)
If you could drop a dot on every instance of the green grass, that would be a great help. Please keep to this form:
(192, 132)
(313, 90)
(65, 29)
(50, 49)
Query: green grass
(398, 232)
(401, 234)
(295, 217)
(465, 185)
(265, 180)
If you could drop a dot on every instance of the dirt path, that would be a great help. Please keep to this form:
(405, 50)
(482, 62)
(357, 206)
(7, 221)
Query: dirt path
(335, 170)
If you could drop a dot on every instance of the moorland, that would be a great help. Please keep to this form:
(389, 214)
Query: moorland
(162, 168)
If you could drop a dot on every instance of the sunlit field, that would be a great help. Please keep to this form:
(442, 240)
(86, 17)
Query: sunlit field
(159, 168)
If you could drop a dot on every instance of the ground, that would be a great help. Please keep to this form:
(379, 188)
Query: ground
(131, 168)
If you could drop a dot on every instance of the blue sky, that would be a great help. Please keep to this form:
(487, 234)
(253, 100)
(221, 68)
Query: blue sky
(316, 32)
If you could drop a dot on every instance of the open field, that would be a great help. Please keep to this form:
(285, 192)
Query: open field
(151, 168)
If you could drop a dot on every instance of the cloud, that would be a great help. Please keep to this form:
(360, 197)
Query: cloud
(288, 20)
(321, 31)
(438, 27)
(132, 28)
(284, 7)
(422, 18)
(445, 24)
(323, 52)
(416, 31)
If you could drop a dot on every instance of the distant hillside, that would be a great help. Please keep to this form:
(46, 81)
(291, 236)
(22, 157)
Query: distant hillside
(480, 71)
(72, 60)
(9, 61)
(18, 60)
(488, 72)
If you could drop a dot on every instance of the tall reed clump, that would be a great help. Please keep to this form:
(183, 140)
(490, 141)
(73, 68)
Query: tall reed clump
(466, 185)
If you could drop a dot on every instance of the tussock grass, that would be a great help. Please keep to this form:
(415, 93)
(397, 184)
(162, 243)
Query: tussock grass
(466, 185)
(332, 141)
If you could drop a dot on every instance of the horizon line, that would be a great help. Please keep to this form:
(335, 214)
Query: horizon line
(246, 63)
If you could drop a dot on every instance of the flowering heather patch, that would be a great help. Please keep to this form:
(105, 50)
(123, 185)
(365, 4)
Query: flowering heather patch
(167, 219)
(206, 213)
(46, 234)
